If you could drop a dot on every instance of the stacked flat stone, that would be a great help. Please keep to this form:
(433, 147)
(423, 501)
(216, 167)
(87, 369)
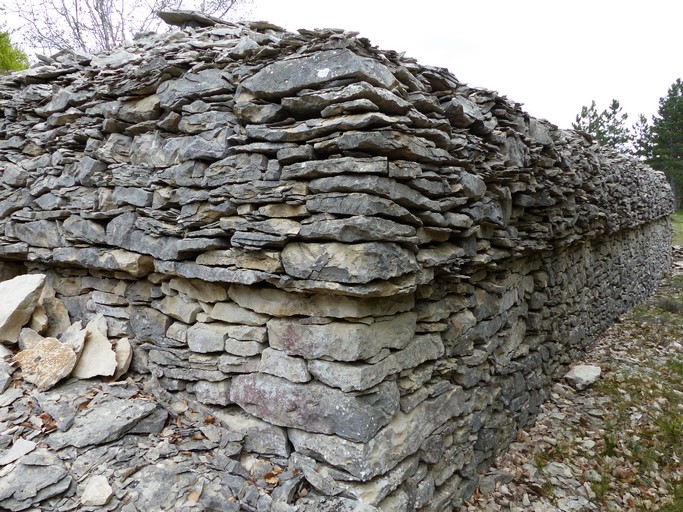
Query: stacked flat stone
(371, 267)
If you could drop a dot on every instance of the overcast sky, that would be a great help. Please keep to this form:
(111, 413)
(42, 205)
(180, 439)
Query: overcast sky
(552, 56)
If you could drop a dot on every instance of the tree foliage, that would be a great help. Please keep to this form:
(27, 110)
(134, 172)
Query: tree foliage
(11, 57)
(608, 127)
(94, 25)
(665, 139)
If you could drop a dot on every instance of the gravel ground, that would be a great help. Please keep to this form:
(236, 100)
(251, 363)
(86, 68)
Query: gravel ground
(617, 446)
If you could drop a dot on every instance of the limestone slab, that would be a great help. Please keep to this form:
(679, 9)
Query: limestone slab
(98, 356)
(341, 341)
(46, 363)
(274, 302)
(285, 77)
(19, 298)
(399, 439)
(347, 263)
(316, 407)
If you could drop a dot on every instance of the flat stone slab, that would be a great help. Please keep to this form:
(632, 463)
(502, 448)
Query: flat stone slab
(103, 423)
(19, 298)
(582, 376)
(46, 363)
(316, 407)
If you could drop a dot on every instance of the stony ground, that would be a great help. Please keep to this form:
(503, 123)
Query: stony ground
(617, 446)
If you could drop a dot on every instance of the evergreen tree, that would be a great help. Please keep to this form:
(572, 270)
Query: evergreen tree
(642, 138)
(11, 57)
(666, 139)
(608, 127)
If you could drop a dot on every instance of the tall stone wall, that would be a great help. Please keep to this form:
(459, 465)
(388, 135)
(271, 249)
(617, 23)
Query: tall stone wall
(370, 269)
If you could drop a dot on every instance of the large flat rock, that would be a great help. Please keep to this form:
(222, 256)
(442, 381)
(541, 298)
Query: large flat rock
(19, 298)
(316, 407)
(286, 77)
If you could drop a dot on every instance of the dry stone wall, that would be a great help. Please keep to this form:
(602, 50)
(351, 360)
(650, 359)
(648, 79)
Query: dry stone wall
(368, 268)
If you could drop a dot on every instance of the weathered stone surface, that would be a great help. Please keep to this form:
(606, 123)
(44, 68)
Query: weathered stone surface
(205, 338)
(347, 263)
(286, 77)
(232, 313)
(199, 290)
(358, 376)
(19, 298)
(359, 204)
(333, 167)
(284, 403)
(217, 393)
(312, 102)
(103, 424)
(358, 229)
(278, 363)
(41, 233)
(98, 356)
(341, 341)
(375, 185)
(271, 301)
(118, 259)
(259, 436)
(34, 478)
(20, 447)
(300, 174)
(97, 492)
(582, 376)
(124, 356)
(400, 438)
(46, 363)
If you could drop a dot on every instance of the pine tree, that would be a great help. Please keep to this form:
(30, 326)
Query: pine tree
(666, 139)
(11, 57)
(608, 127)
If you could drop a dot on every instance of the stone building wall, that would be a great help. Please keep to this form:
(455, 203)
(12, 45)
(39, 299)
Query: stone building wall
(370, 269)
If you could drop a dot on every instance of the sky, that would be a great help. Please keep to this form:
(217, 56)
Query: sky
(551, 56)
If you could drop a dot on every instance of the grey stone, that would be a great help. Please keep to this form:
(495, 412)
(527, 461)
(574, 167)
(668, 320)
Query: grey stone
(359, 204)
(376, 185)
(20, 297)
(358, 377)
(286, 77)
(390, 143)
(341, 341)
(358, 229)
(284, 403)
(240, 168)
(102, 424)
(41, 233)
(582, 376)
(316, 128)
(232, 313)
(393, 443)
(336, 166)
(347, 263)
(174, 94)
(207, 337)
(271, 301)
(130, 262)
(259, 436)
(278, 363)
(217, 393)
(313, 102)
(34, 478)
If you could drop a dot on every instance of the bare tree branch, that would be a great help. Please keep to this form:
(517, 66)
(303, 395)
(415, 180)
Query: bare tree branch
(93, 25)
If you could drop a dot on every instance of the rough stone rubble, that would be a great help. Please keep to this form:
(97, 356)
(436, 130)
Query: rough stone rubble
(365, 272)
